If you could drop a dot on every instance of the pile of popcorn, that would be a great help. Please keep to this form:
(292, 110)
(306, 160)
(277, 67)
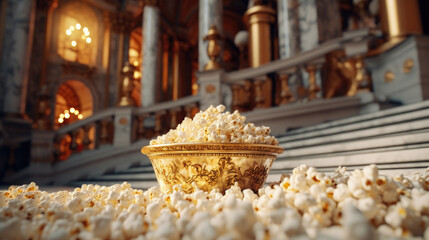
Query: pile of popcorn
(304, 205)
(215, 126)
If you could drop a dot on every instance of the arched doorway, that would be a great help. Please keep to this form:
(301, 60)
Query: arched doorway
(74, 102)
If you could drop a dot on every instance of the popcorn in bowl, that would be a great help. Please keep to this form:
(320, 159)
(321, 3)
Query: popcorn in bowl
(216, 126)
(213, 151)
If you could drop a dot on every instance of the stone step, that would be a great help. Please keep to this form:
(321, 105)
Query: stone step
(415, 154)
(388, 116)
(126, 177)
(144, 185)
(361, 134)
(334, 127)
(137, 169)
(384, 141)
(413, 166)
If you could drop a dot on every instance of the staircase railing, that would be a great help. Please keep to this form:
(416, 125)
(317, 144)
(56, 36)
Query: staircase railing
(270, 84)
(117, 126)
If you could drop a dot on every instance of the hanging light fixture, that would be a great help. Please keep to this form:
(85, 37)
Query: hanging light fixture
(69, 115)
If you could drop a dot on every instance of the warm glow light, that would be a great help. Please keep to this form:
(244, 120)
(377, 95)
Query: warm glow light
(80, 116)
(67, 115)
(73, 43)
(72, 110)
(60, 120)
(136, 63)
(137, 74)
(86, 31)
(78, 26)
(68, 32)
(66, 111)
(76, 112)
(88, 40)
(61, 115)
(72, 28)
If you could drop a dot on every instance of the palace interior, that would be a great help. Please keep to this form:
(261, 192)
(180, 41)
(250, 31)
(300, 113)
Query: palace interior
(85, 84)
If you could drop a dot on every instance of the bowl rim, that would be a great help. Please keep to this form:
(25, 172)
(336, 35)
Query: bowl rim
(212, 148)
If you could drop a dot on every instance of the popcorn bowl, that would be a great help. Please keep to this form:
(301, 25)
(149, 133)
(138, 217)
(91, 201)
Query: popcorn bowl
(211, 165)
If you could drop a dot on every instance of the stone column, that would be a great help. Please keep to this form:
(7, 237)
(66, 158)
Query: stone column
(15, 55)
(288, 28)
(119, 43)
(15, 51)
(210, 13)
(38, 104)
(150, 53)
(289, 45)
(309, 34)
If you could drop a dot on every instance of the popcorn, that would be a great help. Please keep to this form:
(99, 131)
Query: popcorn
(305, 204)
(215, 126)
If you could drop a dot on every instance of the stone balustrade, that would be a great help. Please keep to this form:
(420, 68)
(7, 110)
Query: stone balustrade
(119, 126)
(247, 86)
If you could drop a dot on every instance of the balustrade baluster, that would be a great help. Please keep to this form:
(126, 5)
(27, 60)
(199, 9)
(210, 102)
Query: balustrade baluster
(57, 148)
(313, 88)
(174, 118)
(104, 132)
(159, 128)
(86, 140)
(259, 94)
(73, 144)
(191, 110)
(242, 96)
(140, 126)
(235, 88)
(285, 95)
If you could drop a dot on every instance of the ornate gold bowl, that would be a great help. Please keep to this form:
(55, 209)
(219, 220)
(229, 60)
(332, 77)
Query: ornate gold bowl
(211, 165)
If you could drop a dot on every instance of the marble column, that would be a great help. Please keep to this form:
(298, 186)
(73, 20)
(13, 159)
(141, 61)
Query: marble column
(150, 53)
(289, 42)
(15, 55)
(309, 34)
(308, 24)
(288, 28)
(210, 13)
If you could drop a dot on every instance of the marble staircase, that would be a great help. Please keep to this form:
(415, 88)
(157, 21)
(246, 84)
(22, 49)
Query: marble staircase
(397, 140)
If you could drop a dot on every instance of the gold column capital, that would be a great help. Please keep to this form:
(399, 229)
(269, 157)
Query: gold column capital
(400, 18)
(259, 14)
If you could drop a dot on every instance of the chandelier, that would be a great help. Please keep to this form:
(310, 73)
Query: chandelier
(69, 116)
(78, 38)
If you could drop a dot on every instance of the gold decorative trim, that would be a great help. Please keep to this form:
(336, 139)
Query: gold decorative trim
(408, 65)
(234, 147)
(389, 76)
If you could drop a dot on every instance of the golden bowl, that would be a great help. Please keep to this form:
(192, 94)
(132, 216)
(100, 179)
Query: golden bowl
(211, 165)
